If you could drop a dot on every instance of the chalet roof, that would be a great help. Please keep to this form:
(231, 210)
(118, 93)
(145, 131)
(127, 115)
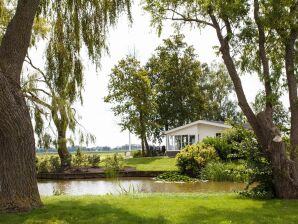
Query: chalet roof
(212, 123)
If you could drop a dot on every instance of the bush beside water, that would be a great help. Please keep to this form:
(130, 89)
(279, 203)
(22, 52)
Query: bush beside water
(193, 158)
(219, 171)
(113, 164)
(94, 160)
(240, 160)
(47, 164)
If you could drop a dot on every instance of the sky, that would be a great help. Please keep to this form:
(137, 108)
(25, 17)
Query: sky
(141, 39)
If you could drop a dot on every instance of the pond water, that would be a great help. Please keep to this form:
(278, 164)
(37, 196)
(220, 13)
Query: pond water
(132, 185)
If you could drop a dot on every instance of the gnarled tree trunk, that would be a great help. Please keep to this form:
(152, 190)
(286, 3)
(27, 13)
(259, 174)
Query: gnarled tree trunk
(284, 171)
(18, 184)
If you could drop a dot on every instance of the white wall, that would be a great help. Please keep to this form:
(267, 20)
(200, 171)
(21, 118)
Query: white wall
(200, 130)
(205, 130)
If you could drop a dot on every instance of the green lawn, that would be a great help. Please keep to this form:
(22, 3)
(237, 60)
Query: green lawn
(143, 164)
(160, 209)
(152, 163)
(102, 154)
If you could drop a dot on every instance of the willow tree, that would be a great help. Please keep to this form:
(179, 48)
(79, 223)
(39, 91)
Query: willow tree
(78, 23)
(254, 37)
(50, 105)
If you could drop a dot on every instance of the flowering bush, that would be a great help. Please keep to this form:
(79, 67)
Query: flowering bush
(193, 158)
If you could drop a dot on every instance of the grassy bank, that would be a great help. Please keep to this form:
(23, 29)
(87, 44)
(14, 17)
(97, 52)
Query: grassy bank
(150, 209)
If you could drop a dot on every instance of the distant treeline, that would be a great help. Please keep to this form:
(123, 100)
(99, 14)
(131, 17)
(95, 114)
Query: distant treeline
(93, 149)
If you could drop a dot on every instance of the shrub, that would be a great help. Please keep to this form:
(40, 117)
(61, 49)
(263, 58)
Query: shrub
(44, 165)
(113, 164)
(261, 191)
(174, 177)
(219, 171)
(54, 163)
(137, 154)
(221, 146)
(94, 160)
(261, 172)
(47, 164)
(78, 159)
(193, 158)
(230, 145)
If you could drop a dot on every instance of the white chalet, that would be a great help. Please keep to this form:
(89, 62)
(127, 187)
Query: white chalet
(192, 133)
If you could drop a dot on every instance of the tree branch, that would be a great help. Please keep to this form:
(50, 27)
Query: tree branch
(186, 19)
(230, 65)
(264, 61)
(290, 54)
(35, 99)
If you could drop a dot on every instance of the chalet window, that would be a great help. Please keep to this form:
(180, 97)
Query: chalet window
(218, 134)
(192, 139)
(184, 141)
(177, 142)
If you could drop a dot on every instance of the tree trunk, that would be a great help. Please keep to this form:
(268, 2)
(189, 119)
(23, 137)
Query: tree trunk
(292, 86)
(18, 183)
(65, 156)
(143, 146)
(285, 179)
(284, 171)
(147, 148)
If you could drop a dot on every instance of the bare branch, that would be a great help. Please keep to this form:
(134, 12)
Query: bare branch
(186, 19)
(42, 90)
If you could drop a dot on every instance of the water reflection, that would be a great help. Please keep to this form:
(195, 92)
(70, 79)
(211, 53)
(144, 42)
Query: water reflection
(145, 185)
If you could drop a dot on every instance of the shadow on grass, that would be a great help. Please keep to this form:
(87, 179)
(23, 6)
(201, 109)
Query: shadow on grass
(66, 211)
(170, 210)
(271, 212)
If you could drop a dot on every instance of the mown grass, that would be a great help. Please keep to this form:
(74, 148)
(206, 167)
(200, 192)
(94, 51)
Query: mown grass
(142, 164)
(152, 163)
(158, 208)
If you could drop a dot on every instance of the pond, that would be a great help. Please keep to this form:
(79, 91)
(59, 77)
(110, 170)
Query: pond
(132, 185)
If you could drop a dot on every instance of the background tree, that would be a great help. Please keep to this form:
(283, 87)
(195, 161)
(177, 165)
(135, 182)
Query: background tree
(79, 23)
(131, 94)
(174, 71)
(254, 36)
(187, 90)
(52, 105)
(217, 88)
